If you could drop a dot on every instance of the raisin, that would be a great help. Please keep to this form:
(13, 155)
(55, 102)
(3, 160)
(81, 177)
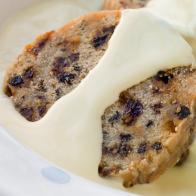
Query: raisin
(156, 107)
(124, 149)
(142, 148)
(16, 81)
(58, 92)
(66, 77)
(115, 117)
(74, 57)
(77, 68)
(133, 109)
(99, 41)
(157, 146)
(149, 123)
(61, 61)
(103, 37)
(164, 77)
(42, 110)
(27, 113)
(39, 46)
(28, 74)
(183, 113)
(58, 65)
(125, 137)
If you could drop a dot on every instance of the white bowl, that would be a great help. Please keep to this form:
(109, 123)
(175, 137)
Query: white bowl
(23, 172)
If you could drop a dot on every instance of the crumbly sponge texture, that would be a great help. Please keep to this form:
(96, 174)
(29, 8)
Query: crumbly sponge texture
(150, 127)
(57, 61)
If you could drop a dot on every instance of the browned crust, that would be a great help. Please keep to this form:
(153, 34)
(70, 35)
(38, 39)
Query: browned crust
(96, 16)
(123, 4)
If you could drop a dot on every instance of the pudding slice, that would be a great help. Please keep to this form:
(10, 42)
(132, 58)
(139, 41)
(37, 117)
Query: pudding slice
(57, 61)
(150, 127)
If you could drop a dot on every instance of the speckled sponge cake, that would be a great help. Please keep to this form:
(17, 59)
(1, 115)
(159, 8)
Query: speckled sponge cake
(56, 63)
(146, 131)
(150, 127)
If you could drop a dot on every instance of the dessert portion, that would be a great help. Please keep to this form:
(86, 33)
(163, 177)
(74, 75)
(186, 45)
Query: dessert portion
(150, 127)
(56, 62)
(124, 4)
(146, 131)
